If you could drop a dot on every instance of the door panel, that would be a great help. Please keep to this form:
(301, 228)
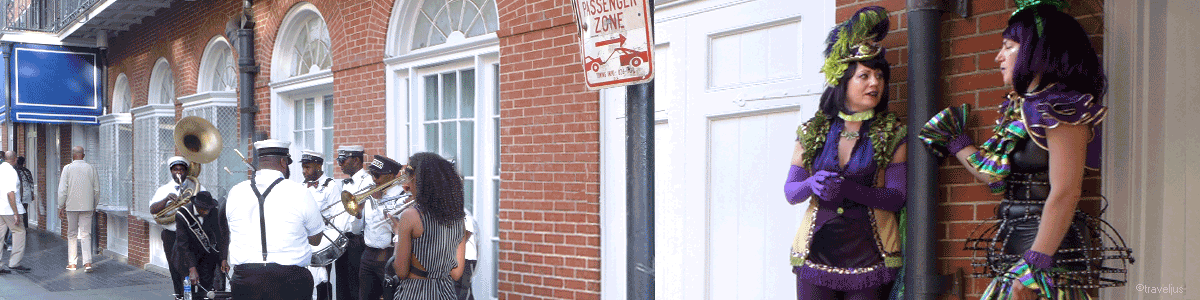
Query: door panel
(739, 125)
(752, 225)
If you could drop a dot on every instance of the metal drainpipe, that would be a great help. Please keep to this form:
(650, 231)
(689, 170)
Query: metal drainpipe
(247, 71)
(924, 60)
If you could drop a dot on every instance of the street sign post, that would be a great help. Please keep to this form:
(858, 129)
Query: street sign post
(616, 42)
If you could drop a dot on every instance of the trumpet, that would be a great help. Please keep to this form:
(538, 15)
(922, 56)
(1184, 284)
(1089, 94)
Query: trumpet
(199, 142)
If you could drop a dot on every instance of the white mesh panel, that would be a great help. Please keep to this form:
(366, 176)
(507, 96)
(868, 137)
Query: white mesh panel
(114, 166)
(155, 139)
(124, 164)
(106, 166)
(213, 176)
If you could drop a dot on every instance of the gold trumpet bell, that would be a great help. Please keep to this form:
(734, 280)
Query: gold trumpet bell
(197, 140)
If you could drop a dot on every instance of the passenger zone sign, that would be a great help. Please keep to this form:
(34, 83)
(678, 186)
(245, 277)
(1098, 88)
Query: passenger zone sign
(616, 42)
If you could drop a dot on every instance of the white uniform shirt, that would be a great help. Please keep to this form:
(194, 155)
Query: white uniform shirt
(171, 188)
(9, 182)
(328, 194)
(471, 253)
(358, 182)
(291, 217)
(377, 232)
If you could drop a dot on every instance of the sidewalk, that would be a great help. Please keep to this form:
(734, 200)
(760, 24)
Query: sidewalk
(46, 254)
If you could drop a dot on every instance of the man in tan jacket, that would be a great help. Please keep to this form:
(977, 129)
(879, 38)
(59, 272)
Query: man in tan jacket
(78, 190)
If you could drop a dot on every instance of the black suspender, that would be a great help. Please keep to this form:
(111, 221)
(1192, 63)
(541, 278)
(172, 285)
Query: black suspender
(262, 214)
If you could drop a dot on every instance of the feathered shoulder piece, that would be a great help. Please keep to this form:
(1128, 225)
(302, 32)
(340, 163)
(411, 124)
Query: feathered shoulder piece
(855, 40)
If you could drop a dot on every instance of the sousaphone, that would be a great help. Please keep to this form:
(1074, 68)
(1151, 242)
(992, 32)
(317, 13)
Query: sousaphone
(199, 142)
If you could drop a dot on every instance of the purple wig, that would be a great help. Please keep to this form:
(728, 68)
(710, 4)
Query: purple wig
(1061, 53)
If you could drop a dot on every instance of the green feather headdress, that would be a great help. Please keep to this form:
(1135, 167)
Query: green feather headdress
(1023, 5)
(855, 40)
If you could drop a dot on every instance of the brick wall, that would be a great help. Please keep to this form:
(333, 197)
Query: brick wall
(969, 75)
(181, 32)
(549, 137)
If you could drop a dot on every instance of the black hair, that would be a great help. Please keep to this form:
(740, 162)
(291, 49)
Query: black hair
(834, 98)
(438, 187)
(1061, 53)
(20, 160)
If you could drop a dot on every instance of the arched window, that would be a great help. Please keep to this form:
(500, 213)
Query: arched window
(218, 71)
(302, 84)
(310, 47)
(122, 98)
(162, 83)
(115, 164)
(442, 20)
(443, 92)
(216, 101)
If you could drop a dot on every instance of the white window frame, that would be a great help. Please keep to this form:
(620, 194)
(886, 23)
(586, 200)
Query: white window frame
(162, 71)
(286, 89)
(211, 63)
(404, 72)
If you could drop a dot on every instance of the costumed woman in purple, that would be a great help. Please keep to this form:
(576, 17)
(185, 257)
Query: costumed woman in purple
(849, 164)
(1040, 245)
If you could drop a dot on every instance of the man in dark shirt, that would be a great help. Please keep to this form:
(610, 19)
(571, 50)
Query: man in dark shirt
(198, 241)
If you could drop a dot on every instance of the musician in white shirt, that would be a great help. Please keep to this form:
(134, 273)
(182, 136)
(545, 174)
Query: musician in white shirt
(327, 193)
(165, 195)
(377, 231)
(273, 224)
(350, 160)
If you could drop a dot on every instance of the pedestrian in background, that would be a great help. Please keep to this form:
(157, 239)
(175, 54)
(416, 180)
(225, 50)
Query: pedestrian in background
(78, 190)
(28, 186)
(10, 212)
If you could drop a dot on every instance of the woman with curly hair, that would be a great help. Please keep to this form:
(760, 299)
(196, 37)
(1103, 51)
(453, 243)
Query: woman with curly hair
(430, 235)
(849, 164)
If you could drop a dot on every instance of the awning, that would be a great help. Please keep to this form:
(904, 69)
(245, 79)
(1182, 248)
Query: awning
(53, 84)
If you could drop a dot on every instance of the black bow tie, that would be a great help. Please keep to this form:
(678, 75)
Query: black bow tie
(348, 181)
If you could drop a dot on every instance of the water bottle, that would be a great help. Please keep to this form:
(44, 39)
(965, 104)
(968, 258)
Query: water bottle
(187, 288)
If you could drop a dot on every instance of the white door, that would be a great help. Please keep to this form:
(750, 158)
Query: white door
(733, 80)
(53, 168)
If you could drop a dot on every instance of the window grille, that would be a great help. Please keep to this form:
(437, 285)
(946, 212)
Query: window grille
(214, 177)
(114, 162)
(155, 142)
(437, 19)
(310, 53)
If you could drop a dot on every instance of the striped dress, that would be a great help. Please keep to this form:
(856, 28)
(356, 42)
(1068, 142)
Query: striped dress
(435, 249)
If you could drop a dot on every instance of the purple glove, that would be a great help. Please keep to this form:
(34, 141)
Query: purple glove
(891, 197)
(800, 185)
(958, 143)
(1038, 260)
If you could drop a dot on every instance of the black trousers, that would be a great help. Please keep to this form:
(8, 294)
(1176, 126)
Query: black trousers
(347, 267)
(271, 281)
(168, 239)
(206, 269)
(370, 277)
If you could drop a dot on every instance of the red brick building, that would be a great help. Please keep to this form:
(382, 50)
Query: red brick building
(498, 85)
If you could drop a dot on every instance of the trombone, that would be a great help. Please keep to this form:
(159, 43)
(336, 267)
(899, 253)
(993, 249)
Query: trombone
(353, 202)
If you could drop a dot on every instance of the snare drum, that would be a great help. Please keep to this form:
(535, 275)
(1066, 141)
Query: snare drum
(332, 245)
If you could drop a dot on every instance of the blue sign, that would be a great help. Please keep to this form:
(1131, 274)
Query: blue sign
(54, 84)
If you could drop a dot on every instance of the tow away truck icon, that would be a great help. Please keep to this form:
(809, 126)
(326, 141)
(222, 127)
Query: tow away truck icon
(626, 56)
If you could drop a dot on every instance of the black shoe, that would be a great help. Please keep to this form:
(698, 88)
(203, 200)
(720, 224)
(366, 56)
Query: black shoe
(21, 268)
(5, 271)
